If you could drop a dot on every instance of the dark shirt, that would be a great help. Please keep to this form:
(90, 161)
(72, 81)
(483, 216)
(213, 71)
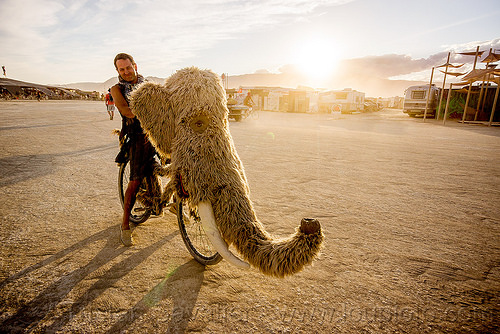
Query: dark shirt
(130, 126)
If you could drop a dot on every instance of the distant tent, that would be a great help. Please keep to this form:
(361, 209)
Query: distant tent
(13, 90)
(15, 87)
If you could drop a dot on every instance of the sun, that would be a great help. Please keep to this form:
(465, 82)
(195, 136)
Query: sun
(317, 59)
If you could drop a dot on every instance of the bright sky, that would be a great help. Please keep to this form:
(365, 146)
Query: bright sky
(64, 41)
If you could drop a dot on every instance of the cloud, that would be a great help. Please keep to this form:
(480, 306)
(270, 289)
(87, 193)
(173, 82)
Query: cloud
(82, 36)
(390, 74)
(262, 71)
(461, 23)
(393, 66)
(53, 41)
(382, 66)
(176, 31)
(22, 24)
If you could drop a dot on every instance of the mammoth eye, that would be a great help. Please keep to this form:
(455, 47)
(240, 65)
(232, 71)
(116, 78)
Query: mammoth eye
(199, 124)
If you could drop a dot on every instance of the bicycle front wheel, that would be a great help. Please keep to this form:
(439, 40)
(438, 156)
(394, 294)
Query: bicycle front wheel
(254, 114)
(139, 213)
(194, 236)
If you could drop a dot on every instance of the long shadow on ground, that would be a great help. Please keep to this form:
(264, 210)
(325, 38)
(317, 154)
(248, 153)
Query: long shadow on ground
(183, 295)
(20, 168)
(29, 315)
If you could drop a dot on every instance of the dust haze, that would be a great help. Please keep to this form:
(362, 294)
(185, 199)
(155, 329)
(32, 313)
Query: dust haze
(409, 211)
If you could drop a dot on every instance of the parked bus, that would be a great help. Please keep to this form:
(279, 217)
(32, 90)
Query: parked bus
(416, 99)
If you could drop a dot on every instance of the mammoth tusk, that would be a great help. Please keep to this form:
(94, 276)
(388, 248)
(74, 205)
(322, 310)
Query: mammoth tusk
(208, 222)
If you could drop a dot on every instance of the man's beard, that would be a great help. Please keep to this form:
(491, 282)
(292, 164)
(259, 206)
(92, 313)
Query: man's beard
(134, 77)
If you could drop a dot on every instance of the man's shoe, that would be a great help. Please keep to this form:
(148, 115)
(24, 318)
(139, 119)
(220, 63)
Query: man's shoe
(126, 237)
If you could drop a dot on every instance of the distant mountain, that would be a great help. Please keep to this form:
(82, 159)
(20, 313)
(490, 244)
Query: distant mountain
(87, 86)
(372, 86)
(102, 87)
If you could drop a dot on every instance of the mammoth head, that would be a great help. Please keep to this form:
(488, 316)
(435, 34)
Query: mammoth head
(191, 103)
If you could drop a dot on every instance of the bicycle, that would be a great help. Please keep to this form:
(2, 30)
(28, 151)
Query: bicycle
(253, 113)
(151, 200)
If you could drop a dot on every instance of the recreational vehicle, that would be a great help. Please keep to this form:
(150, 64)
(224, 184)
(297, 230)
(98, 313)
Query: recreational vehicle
(416, 100)
(346, 101)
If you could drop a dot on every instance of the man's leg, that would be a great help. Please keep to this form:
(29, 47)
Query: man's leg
(140, 153)
(126, 234)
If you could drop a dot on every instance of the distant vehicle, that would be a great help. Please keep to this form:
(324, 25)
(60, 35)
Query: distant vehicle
(238, 111)
(346, 101)
(371, 106)
(416, 99)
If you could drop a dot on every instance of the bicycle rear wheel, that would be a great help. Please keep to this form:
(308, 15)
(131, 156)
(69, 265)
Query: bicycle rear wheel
(140, 213)
(194, 236)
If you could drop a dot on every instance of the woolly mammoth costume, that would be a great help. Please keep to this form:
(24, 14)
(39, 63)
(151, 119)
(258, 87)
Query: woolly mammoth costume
(187, 118)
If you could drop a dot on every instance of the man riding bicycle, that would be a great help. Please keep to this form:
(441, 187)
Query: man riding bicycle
(140, 150)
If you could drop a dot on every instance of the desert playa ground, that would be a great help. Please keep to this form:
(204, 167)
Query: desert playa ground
(410, 213)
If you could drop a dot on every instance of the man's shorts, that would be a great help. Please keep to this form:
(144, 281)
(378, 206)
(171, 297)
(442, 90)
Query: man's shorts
(141, 157)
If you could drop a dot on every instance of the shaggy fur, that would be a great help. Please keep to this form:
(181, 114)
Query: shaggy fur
(207, 165)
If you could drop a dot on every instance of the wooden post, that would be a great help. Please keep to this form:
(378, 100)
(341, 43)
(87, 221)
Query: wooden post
(494, 103)
(467, 101)
(447, 104)
(470, 86)
(442, 90)
(428, 94)
(475, 58)
(480, 103)
(480, 98)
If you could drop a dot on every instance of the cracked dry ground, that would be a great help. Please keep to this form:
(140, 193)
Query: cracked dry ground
(410, 213)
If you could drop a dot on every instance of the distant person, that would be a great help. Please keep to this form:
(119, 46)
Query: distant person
(231, 100)
(248, 100)
(140, 151)
(4, 72)
(110, 104)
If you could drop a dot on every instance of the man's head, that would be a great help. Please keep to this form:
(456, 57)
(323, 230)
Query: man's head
(126, 67)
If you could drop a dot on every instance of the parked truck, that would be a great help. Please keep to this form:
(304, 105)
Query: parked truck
(416, 100)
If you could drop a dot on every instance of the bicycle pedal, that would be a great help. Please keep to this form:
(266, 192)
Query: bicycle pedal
(157, 214)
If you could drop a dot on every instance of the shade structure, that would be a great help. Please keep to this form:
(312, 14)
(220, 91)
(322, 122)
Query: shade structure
(452, 73)
(491, 57)
(479, 74)
(471, 53)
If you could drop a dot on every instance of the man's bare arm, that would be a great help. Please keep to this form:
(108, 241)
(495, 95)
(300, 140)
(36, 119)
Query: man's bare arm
(121, 103)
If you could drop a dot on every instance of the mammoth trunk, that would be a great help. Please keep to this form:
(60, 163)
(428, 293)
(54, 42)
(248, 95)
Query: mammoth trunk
(274, 257)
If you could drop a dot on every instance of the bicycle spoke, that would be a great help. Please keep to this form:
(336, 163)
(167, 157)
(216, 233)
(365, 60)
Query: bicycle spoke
(194, 236)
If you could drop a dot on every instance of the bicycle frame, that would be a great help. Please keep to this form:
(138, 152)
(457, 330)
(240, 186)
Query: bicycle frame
(151, 199)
